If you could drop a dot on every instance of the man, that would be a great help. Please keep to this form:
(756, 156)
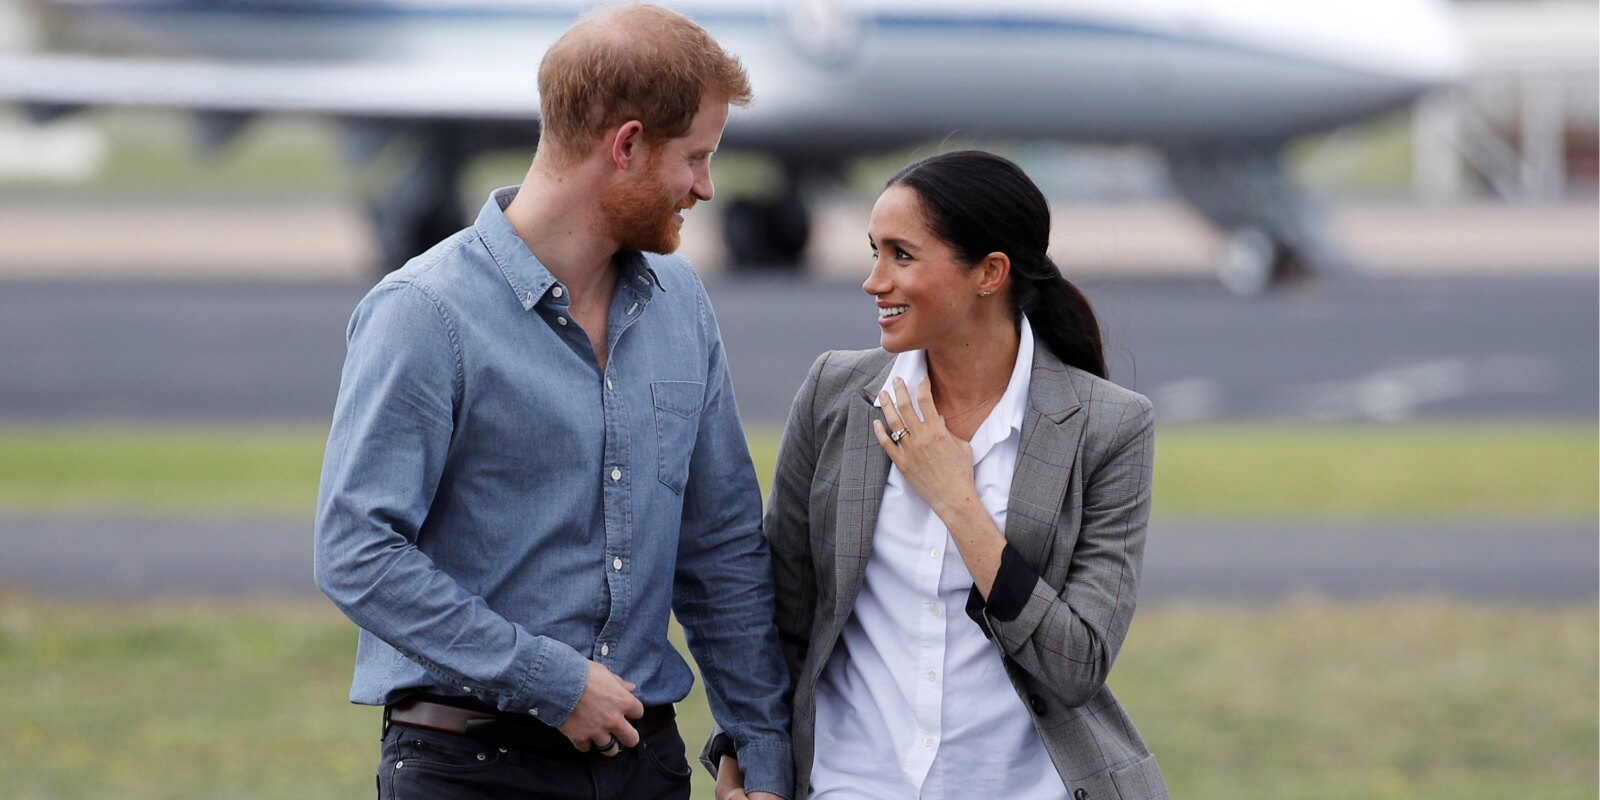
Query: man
(535, 457)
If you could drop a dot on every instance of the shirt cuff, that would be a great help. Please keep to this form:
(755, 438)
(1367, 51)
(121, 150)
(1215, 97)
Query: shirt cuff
(1013, 585)
(768, 768)
(552, 687)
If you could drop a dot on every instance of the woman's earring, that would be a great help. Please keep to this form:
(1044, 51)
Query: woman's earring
(984, 294)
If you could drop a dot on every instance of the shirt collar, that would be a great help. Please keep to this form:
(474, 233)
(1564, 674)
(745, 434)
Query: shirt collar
(529, 278)
(1007, 414)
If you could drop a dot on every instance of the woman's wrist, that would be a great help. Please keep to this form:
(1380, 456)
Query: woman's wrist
(730, 779)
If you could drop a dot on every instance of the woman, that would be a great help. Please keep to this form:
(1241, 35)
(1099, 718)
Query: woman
(958, 519)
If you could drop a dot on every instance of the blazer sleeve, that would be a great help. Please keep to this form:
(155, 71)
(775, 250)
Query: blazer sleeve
(788, 525)
(1067, 637)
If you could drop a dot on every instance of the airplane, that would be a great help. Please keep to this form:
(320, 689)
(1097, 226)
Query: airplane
(1218, 87)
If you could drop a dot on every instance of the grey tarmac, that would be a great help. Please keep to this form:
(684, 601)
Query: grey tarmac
(1255, 562)
(1348, 348)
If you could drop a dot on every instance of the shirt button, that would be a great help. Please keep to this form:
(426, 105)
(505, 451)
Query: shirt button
(605, 649)
(558, 291)
(616, 474)
(633, 308)
(534, 711)
(561, 320)
(928, 742)
(934, 553)
(616, 564)
(608, 384)
(933, 677)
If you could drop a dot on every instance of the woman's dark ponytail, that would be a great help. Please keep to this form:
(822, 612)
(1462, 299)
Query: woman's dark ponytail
(1063, 319)
(979, 203)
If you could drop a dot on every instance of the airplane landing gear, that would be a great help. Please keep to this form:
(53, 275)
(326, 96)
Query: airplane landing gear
(768, 234)
(1251, 261)
(420, 207)
(1273, 232)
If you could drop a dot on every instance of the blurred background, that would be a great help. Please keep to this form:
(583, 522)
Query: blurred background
(1348, 249)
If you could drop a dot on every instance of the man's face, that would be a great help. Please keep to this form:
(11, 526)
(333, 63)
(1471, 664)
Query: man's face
(643, 209)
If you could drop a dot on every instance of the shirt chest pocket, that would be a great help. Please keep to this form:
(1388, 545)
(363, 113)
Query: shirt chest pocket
(677, 407)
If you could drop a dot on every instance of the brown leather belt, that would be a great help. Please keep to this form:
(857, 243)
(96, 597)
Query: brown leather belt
(502, 729)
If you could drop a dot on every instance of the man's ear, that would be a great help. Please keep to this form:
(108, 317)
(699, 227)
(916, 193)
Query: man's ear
(627, 142)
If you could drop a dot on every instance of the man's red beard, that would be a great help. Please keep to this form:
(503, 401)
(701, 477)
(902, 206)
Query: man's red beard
(641, 214)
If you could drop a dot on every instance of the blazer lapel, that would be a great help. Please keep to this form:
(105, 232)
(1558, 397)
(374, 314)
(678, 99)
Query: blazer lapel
(1052, 428)
(862, 477)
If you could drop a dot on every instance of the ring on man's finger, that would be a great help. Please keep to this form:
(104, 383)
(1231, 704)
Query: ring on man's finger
(611, 744)
(896, 436)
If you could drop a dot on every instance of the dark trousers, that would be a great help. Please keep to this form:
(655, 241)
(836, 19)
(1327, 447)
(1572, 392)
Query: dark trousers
(422, 764)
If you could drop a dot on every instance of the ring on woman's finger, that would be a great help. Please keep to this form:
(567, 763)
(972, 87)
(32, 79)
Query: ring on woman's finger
(896, 436)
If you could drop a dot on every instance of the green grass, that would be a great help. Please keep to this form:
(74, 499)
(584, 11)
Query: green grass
(1505, 470)
(190, 469)
(1416, 700)
(1524, 471)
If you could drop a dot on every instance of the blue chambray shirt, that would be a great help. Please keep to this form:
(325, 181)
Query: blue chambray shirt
(494, 510)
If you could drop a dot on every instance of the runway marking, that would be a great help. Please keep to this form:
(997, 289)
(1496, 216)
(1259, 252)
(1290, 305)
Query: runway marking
(1398, 393)
(1188, 400)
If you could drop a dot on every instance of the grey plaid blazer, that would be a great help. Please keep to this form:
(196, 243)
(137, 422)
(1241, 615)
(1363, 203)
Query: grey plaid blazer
(1077, 514)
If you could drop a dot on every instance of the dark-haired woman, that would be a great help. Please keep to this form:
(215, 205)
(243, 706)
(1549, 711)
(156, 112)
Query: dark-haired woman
(958, 519)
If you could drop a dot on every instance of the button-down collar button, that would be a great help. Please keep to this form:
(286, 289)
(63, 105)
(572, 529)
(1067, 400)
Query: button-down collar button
(616, 564)
(605, 649)
(557, 292)
(633, 308)
(561, 320)
(616, 474)
(468, 689)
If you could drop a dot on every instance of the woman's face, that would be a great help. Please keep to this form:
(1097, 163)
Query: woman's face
(925, 295)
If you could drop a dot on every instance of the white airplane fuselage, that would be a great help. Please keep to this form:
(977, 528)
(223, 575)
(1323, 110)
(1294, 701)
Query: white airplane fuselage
(850, 75)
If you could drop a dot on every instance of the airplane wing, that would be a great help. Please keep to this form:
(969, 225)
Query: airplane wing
(377, 90)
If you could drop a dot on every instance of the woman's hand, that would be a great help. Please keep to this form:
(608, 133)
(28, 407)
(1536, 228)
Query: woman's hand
(938, 465)
(730, 783)
(936, 462)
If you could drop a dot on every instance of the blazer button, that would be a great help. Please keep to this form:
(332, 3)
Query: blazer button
(1081, 794)
(1037, 704)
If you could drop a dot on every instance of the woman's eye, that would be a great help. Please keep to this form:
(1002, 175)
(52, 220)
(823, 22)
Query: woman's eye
(901, 254)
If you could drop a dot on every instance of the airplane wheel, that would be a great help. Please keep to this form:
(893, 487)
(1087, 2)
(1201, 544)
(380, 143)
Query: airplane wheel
(1250, 262)
(766, 234)
(405, 233)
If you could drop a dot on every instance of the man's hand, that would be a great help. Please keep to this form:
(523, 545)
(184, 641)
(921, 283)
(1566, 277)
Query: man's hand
(600, 719)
